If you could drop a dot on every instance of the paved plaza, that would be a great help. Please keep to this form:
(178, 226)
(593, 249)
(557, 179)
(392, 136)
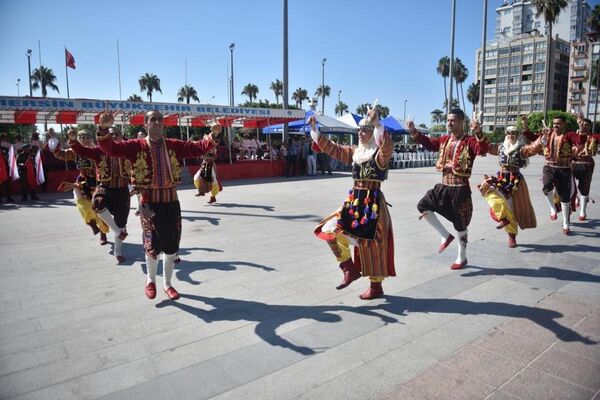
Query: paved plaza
(260, 318)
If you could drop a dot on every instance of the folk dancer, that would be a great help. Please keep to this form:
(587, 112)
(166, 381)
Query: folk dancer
(85, 183)
(157, 170)
(363, 220)
(452, 198)
(583, 163)
(506, 193)
(205, 179)
(110, 199)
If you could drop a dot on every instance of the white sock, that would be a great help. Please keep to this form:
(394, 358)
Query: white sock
(110, 221)
(584, 201)
(462, 246)
(550, 201)
(168, 264)
(118, 246)
(139, 206)
(151, 264)
(430, 217)
(566, 212)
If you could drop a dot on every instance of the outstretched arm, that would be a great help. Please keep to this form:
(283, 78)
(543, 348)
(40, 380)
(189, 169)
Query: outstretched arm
(339, 152)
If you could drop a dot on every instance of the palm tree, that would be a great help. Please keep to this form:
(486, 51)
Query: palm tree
(437, 116)
(42, 78)
(383, 111)
(187, 92)
(299, 96)
(149, 83)
(250, 90)
(461, 73)
(340, 108)
(551, 10)
(453, 105)
(135, 97)
(277, 88)
(473, 94)
(319, 93)
(443, 68)
(594, 22)
(363, 109)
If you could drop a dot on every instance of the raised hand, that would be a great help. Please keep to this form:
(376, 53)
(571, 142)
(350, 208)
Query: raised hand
(106, 120)
(72, 134)
(475, 126)
(216, 130)
(411, 127)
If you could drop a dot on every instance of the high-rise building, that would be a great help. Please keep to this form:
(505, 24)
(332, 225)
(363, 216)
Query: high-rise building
(583, 93)
(517, 17)
(515, 78)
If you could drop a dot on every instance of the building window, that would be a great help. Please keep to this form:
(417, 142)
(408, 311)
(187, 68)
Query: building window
(538, 67)
(526, 88)
(538, 87)
(525, 98)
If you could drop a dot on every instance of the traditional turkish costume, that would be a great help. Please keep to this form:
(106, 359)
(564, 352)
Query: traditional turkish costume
(451, 198)
(205, 179)
(363, 219)
(583, 168)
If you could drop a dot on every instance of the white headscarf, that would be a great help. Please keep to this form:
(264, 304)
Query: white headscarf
(510, 147)
(364, 152)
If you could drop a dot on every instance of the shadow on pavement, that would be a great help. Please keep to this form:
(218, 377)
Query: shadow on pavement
(185, 268)
(541, 272)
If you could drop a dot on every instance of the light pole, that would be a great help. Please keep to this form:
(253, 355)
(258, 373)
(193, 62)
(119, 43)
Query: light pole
(323, 86)
(18, 91)
(29, 69)
(405, 100)
(340, 101)
(231, 47)
(207, 101)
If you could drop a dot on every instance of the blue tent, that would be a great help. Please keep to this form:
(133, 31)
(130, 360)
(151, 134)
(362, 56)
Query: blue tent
(394, 126)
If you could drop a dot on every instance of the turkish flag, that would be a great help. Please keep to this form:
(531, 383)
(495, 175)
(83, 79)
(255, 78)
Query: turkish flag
(69, 59)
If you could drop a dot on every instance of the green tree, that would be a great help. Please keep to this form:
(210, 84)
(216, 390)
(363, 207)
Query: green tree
(363, 109)
(535, 124)
(187, 92)
(299, 96)
(383, 111)
(135, 97)
(461, 73)
(340, 108)
(250, 90)
(277, 88)
(550, 9)
(323, 90)
(437, 116)
(594, 22)
(43, 78)
(473, 94)
(149, 83)
(443, 69)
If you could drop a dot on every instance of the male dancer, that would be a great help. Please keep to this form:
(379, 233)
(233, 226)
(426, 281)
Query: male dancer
(583, 162)
(452, 198)
(363, 220)
(205, 179)
(157, 171)
(111, 198)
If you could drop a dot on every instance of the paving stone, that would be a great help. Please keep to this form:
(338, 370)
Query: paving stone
(511, 346)
(578, 370)
(533, 384)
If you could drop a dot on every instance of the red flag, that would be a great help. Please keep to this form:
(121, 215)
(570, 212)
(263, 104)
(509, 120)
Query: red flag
(69, 59)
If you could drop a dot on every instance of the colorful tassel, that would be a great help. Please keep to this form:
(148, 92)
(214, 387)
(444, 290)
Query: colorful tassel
(354, 224)
(363, 220)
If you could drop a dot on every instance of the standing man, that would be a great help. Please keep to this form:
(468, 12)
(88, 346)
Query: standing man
(363, 220)
(583, 162)
(452, 198)
(6, 185)
(205, 179)
(557, 145)
(110, 200)
(310, 160)
(157, 171)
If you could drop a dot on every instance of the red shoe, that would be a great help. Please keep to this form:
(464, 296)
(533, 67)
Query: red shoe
(374, 291)
(123, 235)
(459, 265)
(177, 260)
(172, 293)
(503, 222)
(512, 240)
(120, 259)
(567, 231)
(150, 290)
(553, 217)
(350, 274)
(444, 245)
(103, 239)
(582, 217)
(213, 199)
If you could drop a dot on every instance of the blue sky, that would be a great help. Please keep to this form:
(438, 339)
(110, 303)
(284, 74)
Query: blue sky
(377, 49)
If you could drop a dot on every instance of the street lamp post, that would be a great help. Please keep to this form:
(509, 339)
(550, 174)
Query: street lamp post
(18, 91)
(340, 101)
(29, 69)
(231, 47)
(323, 86)
(405, 100)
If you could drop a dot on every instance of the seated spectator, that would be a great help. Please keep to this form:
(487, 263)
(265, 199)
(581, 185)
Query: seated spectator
(250, 147)
(237, 151)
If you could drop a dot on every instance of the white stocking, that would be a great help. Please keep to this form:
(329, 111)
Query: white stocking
(462, 246)
(151, 264)
(110, 221)
(566, 211)
(118, 246)
(430, 217)
(584, 201)
(550, 201)
(168, 264)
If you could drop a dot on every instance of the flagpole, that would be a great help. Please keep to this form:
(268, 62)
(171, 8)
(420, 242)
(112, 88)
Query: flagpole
(119, 69)
(67, 72)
